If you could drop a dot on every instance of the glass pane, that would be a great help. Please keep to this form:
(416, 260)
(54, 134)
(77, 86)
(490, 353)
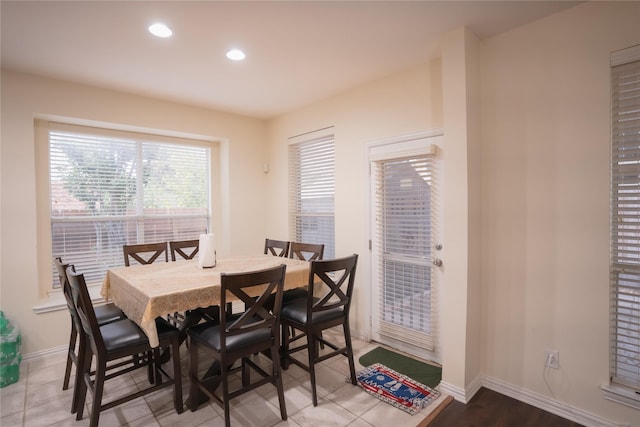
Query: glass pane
(317, 229)
(107, 192)
(89, 178)
(92, 246)
(175, 179)
(407, 295)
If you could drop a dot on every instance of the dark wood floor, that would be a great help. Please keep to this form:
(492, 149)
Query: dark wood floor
(491, 409)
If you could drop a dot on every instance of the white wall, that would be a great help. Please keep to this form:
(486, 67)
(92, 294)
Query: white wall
(26, 97)
(545, 216)
(533, 167)
(400, 104)
(526, 121)
(441, 94)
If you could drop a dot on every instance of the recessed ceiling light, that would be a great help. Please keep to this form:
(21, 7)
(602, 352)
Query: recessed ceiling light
(236, 55)
(160, 30)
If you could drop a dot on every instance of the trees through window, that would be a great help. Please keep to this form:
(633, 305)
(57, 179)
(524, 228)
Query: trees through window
(112, 188)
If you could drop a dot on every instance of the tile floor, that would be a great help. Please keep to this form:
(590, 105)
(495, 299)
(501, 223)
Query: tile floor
(38, 400)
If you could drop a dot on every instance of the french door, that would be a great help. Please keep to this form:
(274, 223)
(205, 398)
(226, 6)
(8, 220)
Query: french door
(404, 221)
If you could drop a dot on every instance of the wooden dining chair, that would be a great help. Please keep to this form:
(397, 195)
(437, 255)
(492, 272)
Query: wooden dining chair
(306, 251)
(145, 253)
(148, 253)
(106, 313)
(276, 247)
(327, 305)
(239, 337)
(122, 339)
(186, 249)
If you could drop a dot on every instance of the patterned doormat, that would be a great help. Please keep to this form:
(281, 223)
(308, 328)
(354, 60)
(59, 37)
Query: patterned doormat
(396, 389)
(421, 372)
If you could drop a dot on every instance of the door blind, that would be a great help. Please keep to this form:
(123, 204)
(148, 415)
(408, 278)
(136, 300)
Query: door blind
(625, 226)
(403, 220)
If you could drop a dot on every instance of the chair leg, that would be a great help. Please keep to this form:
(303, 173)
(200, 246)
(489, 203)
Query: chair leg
(72, 348)
(246, 373)
(82, 377)
(76, 402)
(277, 373)
(177, 376)
(98, 388)
(284, 352)
(312, 349)
(152, 372)
(194, 391)
(155, 365)
(225, 391)
(347, 339)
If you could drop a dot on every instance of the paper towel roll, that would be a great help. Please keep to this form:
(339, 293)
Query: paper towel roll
(207, 251)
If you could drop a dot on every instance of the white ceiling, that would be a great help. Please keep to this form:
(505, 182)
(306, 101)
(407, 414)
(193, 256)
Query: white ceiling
(297, 52)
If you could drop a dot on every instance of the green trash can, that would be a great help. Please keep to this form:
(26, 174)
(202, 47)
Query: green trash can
(10, 356)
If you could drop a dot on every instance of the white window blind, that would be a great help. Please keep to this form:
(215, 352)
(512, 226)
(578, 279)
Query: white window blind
(110, 188)
(312, 189)
(625, 223)
(403, 233)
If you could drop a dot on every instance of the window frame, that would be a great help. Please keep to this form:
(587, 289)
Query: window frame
(50, 296)
(620, 389)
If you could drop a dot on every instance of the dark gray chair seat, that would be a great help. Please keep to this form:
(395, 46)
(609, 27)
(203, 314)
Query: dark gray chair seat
(297, 312)
(107, 313)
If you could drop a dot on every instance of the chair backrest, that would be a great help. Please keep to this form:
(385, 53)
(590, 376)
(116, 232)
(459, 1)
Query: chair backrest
(145, 253)
(84, 309)
(254, 289)
(62, 277)
(66, 290)
(187, 249)
(276, 247)
(307, 251)
(331, 282)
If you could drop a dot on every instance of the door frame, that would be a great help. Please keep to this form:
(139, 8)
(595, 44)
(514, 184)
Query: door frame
(405, 145)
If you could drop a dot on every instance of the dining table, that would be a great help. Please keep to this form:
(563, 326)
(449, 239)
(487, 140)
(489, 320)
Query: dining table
(145, 292)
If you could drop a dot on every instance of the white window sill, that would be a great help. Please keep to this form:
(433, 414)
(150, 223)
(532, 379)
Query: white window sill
(56, 301)
(622, 395)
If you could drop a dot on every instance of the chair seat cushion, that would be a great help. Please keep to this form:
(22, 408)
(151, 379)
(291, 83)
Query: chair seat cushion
(293, 295)
(122, 333)
(209, 334)
(288, 297)
(165, 329)
(296, 311)
(107, 313)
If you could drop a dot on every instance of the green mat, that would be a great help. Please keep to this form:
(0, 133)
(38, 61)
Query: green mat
(424, 373)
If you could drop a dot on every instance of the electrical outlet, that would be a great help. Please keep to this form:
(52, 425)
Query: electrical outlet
(552, 359)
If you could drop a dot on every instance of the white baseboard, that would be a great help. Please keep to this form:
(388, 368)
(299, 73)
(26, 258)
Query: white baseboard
(459, 394)
(546, 403)
(45, 353)
(540, 401)
(456, 392)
